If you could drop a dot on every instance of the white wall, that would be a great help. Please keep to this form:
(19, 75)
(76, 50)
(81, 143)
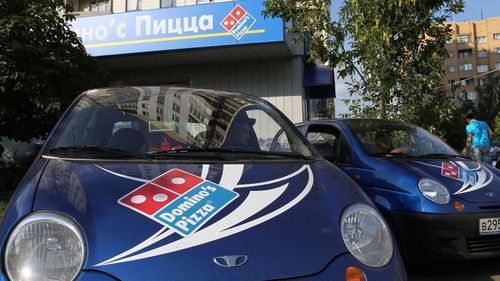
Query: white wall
(277, 80)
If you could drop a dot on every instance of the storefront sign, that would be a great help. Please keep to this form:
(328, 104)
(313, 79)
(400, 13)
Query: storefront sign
(197, 26)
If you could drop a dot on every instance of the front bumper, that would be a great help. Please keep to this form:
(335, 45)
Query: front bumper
(453, 236)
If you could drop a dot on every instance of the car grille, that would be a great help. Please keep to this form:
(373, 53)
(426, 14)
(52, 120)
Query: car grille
(483, 244)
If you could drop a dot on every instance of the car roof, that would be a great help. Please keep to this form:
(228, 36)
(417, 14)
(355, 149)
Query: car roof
(349, 120)
(101, 93)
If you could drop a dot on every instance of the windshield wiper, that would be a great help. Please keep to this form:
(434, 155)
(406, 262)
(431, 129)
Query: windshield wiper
(91, 149)
(391, 154)
(219, 151)
(441, 155)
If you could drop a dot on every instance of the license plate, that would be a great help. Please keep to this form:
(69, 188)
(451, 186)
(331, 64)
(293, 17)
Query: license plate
(489, 226)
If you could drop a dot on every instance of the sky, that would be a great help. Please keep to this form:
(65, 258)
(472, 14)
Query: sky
(472, 12)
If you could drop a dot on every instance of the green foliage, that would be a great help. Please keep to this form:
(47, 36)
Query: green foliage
(488, 105)
(43, 66)
(395, 57)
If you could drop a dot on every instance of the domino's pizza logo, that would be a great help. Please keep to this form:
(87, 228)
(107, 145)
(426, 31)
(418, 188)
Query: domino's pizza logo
(238, 22)
(179, 200)
(458, 173)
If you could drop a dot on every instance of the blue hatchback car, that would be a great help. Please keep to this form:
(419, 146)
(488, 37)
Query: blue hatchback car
(165, 183)
(438, 203)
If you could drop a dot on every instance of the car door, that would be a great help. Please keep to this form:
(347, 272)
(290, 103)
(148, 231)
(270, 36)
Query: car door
(331, 143)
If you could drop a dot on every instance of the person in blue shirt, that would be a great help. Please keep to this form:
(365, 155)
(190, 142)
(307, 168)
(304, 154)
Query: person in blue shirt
(479, 136)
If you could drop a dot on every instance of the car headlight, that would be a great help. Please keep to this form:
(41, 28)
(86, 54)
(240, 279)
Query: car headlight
(366, 235)
(45, 246)
(434, 191)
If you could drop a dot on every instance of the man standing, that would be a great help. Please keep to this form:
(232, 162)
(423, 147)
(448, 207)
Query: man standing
(479, 137)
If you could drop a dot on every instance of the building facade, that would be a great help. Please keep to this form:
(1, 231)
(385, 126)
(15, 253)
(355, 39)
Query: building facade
(223, 45)
(473, 52)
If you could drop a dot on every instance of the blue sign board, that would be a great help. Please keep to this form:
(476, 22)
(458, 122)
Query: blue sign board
(189, 212)
(197, 26)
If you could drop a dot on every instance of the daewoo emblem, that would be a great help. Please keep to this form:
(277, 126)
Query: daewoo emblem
(490, 194)
(231, 261)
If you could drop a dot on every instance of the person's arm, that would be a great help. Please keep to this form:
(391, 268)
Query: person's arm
(467, 144)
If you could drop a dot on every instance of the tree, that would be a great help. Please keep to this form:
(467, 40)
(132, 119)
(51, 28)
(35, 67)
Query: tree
(43, 66)
(488, 104)
(395, 56)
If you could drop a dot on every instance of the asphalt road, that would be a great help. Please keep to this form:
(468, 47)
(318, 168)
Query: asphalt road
(482, 270)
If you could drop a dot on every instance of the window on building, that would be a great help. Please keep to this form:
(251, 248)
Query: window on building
(481, 39)
(482, 54)
(166, 3)
(451, 69)
(451, 82)
(449, 41)
(99, 5)
(175, 118)
(176, 107)
(496, 36)
(497, 65)
(466, 81)
(465, 53)
(482, 68)
(471, 95)
(134, 5)
(482, 81)
(465, 67)
(450, 55)
(463, 39)
(497, 50)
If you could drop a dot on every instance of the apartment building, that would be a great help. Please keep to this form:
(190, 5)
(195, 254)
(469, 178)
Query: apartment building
(217, 44)
(473, 51)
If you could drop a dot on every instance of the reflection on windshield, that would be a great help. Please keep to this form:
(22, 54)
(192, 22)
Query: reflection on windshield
(381, 137)
(145, 120)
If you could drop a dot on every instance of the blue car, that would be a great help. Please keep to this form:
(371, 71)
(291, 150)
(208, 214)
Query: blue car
(166, 183)
(438, 203)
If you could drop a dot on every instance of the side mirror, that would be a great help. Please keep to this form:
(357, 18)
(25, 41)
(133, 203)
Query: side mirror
(26, 154)
(329, 154)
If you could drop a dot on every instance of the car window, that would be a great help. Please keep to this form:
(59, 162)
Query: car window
(325, 139)
(159, 119)
(386, 137)
(344, 156)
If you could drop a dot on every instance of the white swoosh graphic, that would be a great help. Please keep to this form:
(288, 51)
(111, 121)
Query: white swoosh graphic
(482, 180)
(256, 201)
(122, 175)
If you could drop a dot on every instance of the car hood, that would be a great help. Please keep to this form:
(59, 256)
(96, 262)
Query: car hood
(465, 179)
(281, 219)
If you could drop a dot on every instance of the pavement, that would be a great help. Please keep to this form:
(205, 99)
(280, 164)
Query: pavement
(479, 270)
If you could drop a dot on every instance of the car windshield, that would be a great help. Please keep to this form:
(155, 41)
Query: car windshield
(392, 139)
(167, 122)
